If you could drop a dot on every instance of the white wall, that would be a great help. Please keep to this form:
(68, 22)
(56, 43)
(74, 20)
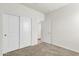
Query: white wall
(21, 10)
(0, 35)
(65, 26)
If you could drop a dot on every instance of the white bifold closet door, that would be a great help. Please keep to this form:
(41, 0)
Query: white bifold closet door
(16, 32)
(25, 31)
(10, 33)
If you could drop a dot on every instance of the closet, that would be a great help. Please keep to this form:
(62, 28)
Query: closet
(16, 32)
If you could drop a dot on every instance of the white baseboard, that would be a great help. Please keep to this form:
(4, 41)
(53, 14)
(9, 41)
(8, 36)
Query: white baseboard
(0, 52)
(66, 48)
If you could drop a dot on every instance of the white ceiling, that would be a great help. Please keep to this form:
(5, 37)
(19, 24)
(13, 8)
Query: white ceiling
(45, 7)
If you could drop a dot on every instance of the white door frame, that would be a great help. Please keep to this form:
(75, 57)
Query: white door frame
(19, 30)
(3, 33)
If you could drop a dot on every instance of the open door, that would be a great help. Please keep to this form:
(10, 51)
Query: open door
(47, 31)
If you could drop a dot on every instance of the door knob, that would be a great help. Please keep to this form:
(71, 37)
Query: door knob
(5, 35)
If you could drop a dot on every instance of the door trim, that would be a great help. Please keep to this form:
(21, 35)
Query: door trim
(2, 30)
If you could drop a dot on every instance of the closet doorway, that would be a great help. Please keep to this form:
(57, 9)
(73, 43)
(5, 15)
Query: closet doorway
(16, 32)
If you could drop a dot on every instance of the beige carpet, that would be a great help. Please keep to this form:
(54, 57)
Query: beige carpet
(42, 49)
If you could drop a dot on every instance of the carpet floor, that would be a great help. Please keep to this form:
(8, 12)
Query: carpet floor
(43, 49)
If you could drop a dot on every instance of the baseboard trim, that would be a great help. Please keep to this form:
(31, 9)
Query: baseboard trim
(1, 52)
(64, 47)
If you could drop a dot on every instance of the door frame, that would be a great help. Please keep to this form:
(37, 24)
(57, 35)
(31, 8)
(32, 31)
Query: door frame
(19, 28)
(2, 30)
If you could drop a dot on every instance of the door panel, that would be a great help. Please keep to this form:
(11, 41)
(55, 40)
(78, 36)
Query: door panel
(47, 31)
(25, 32)
(10, 33)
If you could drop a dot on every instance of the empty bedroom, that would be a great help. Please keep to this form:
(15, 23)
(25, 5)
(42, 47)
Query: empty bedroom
(39, 29)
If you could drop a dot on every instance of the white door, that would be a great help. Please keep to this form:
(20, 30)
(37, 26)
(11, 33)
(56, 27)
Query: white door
(25, 32)
(10, 33)
(47, 31)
